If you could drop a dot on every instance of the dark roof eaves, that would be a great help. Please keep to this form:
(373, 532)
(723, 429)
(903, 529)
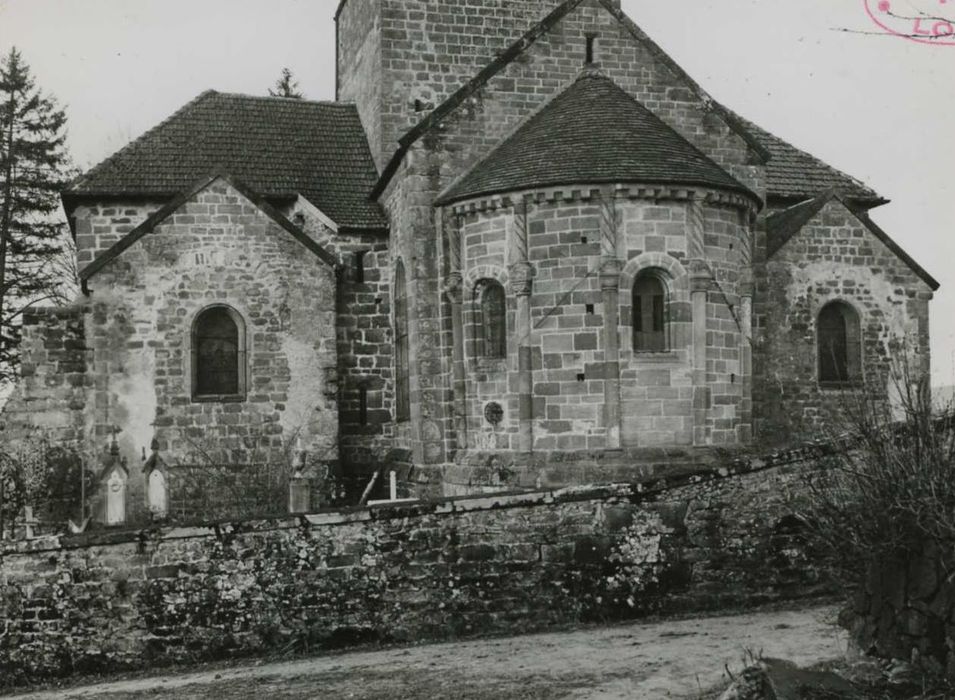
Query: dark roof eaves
(732, 184)
(794, 222)
(449, 199)
(879, 233)
(154, 220)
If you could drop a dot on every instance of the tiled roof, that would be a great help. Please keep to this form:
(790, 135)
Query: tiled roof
(795, 174)
(279, 147)
(593, 132)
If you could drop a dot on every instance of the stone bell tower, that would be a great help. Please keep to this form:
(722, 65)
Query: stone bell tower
(399, 59)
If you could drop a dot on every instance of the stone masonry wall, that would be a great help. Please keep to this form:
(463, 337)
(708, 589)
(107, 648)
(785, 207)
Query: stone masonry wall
(452, 41)
(100, 226)
(905, 609)
(217, 248)
(568, 317)
(55, 377)
(834, 257)
(360, 67)
(365, 352)
(475, 128)
(401, 574)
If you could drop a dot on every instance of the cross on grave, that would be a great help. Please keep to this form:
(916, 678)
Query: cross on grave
(29, 522)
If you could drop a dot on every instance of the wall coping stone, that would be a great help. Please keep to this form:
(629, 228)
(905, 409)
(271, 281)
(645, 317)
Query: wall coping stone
(633, 492)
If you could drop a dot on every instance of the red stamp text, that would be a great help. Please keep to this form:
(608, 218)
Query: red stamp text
(924, 21)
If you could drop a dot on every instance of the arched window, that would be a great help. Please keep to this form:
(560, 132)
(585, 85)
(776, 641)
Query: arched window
(840, 346)
(402, 358)
(491, 318)
(218, 354)
(649, 312)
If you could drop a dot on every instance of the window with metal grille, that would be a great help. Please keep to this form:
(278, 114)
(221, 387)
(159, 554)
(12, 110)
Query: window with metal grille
(402, 358)
(491, 318)
(218, 351)
(649, 313)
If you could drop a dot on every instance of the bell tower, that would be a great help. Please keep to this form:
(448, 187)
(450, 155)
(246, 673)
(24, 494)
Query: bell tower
(399, 59)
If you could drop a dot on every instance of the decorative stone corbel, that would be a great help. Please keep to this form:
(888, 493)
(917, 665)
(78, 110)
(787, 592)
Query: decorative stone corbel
(521, 275)
(610, 271)
(453, 287)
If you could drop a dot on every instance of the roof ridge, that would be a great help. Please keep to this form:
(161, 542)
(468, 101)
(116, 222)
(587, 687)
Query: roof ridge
(102, 165)
(288, 100)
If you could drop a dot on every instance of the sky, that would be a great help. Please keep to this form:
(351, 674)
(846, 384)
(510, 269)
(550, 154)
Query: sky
(818, 73)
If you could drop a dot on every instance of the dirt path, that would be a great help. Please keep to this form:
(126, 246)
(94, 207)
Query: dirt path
(659, 660)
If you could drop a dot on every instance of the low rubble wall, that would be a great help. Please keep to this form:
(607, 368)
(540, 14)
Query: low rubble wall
(719, 539)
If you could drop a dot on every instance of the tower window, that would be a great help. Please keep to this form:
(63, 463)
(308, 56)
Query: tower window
(649, 313)
(840, 347)
(360, 266)
(363, 405)
(218, 354)
(591, 47)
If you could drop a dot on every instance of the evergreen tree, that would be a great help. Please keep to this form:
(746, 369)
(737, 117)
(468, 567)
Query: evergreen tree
(34, 167)
(286, 86)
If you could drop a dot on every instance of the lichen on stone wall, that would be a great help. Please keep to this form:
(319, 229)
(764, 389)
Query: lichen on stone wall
(640, 557)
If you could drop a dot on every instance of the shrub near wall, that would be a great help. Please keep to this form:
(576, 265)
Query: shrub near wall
(500, 564)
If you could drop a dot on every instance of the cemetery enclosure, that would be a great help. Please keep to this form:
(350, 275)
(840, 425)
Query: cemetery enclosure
(117, 600)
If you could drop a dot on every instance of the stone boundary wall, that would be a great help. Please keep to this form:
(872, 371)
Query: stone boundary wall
(906, 610)
(113, 601)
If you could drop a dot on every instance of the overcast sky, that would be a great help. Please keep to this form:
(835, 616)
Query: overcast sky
(879, 107)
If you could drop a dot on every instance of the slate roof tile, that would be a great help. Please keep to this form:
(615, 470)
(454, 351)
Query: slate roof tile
(279, 147)
(795, 174)
(593, 132)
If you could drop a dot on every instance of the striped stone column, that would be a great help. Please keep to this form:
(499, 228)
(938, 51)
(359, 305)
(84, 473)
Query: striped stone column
(746, 287)
(453, 290)
(699, 289)
(521, 275)
(694, 227)
(610, 270)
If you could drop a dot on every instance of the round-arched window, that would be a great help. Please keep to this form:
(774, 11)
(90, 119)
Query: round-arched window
(649, 312)
(491, 319)
(218, 350)
(839, 344)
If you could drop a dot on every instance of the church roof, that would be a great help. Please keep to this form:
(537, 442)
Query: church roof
(593, 132)
(794, 174)
(280, 147)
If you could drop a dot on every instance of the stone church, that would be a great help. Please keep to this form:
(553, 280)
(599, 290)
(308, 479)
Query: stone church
(522, 247)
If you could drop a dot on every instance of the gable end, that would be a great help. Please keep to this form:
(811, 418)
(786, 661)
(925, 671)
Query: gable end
(150, 224)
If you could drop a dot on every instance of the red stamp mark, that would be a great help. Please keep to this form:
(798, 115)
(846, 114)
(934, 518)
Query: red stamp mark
(924, 21)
